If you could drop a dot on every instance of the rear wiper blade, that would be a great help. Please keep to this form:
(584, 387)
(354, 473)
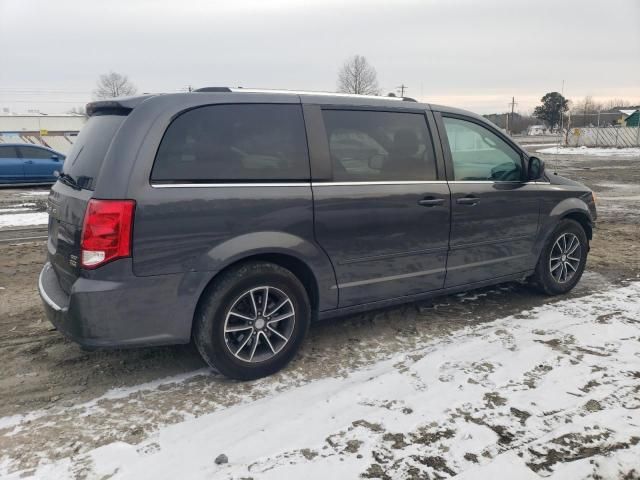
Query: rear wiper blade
(68, 179)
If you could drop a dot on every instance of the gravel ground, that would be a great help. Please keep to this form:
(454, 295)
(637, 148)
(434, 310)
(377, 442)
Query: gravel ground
(127, 394)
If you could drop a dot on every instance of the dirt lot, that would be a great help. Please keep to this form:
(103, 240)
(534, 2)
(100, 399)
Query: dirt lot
(43, 375)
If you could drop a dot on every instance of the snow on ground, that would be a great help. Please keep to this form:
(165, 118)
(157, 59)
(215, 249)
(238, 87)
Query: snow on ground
(598, 152)
(23, 219)
(33, 193)
(548, 393)
(527, 145)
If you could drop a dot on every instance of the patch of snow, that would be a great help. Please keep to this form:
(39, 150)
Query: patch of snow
(24, 219)
(87, 408)
(526, 145)
(629, 198)
(32, 193)
(550, 391)
(15, 209)
(593, 151)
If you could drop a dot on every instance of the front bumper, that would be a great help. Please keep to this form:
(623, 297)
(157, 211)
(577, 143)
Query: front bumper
(134, 311)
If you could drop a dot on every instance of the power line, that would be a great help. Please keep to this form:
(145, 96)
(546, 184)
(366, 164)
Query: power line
(46, 91)
(402, 88)
(43, 101)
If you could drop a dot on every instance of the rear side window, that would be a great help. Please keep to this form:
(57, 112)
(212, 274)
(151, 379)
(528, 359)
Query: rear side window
(379, 146)
(36, 153)
(8, 152)
(90, 147)
(244, 142)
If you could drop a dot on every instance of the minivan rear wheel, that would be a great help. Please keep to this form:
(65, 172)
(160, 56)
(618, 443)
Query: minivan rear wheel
(563, 259)
(252, 320)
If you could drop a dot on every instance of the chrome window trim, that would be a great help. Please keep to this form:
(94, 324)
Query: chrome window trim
(227, 185)
(390, 182)
(332, 184)
(499, 182)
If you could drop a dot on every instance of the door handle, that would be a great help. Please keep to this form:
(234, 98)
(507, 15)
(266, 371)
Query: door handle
(468, 200)
(430, 202)
(28, 161)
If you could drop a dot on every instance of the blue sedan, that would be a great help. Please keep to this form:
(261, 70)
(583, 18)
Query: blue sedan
(25, 163)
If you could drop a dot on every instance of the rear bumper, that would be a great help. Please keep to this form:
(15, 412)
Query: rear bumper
(137, 311)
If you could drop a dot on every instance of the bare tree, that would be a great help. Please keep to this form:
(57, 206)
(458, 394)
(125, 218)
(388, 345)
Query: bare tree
(80, 110)
(358, 76)
(114, 84)
(617, 103)
(585, 111)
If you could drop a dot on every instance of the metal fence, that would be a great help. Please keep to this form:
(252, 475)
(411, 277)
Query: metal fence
(604, 137)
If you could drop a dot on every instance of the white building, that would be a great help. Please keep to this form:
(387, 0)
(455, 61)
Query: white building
(56, 131)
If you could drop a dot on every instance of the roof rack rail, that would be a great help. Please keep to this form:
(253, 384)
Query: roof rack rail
(299, 92)
(213, 89)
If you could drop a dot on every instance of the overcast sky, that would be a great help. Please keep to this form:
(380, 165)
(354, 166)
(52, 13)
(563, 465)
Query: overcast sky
(474, 54)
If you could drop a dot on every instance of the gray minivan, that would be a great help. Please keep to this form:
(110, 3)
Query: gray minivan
(234, 217)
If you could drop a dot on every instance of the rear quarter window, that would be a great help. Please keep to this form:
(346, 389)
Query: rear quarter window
(227, 143)
(90, 147)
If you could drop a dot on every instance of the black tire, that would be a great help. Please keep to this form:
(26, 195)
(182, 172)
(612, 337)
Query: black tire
(543, 278)
(224, 294)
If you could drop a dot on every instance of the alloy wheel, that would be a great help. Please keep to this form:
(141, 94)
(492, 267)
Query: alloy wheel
(259, 324)
(565, 257)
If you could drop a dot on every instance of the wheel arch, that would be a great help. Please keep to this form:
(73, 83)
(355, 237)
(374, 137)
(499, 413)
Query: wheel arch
(291, 262)
(575, 209)
(583, 219)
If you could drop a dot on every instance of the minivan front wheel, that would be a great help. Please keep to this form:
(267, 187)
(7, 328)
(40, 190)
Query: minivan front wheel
(563, 259)
(252, 320)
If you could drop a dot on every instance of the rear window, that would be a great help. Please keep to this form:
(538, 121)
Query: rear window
(245, 142)
(90, 147)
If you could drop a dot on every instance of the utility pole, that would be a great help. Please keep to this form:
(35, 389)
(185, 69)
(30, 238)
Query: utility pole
(510, 121)
(402, 88)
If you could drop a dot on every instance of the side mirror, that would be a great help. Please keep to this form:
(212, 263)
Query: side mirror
(55, 157)
(536, 168)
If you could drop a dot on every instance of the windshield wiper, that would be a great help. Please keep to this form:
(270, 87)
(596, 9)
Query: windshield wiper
(68, 180)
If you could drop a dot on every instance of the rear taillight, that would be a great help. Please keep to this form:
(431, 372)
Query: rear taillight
(106, 231)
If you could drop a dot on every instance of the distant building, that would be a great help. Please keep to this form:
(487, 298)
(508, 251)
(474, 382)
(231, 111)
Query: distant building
(631, 117)
(55, 131)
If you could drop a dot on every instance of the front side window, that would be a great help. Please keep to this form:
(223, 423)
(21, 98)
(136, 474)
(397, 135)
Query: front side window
(379, 146)
(243, 142)
(478, 154)
(35, 153)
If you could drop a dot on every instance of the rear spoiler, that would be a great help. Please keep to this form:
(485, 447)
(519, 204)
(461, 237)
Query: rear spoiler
(115, 106)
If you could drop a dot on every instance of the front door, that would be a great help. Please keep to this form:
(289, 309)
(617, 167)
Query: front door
(494, 209)
(39, 164)
(383, 217)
